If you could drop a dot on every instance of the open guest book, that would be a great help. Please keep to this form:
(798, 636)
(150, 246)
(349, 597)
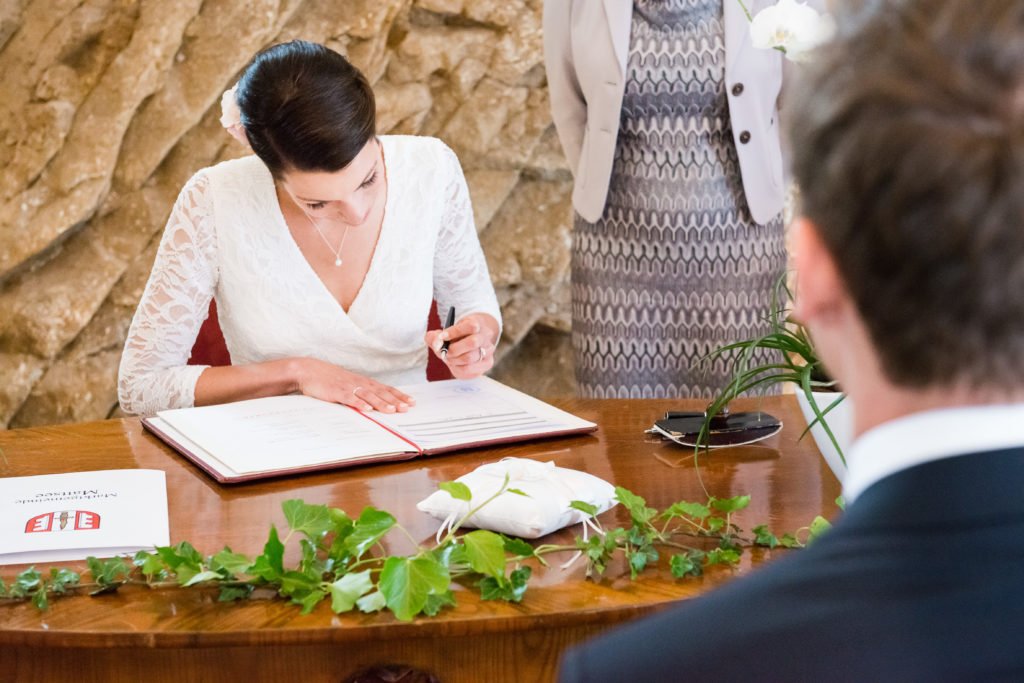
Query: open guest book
(268, 437)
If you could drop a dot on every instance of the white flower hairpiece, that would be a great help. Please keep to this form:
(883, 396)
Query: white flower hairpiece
(792, 28)
(231, 116)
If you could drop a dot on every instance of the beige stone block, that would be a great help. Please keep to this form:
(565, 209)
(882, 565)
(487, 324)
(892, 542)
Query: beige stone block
(489, 190)
(44, 310)
(76, 180)
(533, 228)
(76, 390)
(39, 135)
(542, 364)
(374, 17)
(201, 71)
(442, 6)
(401, 106)
(427, 50)
(548, 160)
(20, 372)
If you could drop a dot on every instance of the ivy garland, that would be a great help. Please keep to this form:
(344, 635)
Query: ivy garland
(342, 558)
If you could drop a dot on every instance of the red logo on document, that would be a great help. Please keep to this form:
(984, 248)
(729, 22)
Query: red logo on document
(63, 520)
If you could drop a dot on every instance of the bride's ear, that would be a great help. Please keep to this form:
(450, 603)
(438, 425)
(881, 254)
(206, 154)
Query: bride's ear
(820, 290)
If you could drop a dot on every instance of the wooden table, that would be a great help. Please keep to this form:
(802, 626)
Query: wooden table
(186, 635)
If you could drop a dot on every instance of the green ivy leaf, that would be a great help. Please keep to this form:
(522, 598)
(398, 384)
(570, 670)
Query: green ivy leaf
(457, 490)
(374, 602)
(348, 589)
(200, 577)
(722, 556)
(26, 582)
(341, 525)
(686, 509)
(517, 547)
(40, 600)
(369, 528)
(639, 559)
(296, 583)
(790, 541)
(438, 601)
(764, 537)
(519, 492)
(406, 583)
(485, 552)
(310, 600)
(636, 505)
(819, 527)
(312, 521)
(62, 578)
(108, 574)
(841, 502)
(270, 565)
(688, 564)
(230, 563)
(586, 508)
(729, 505)
(3, 589)
(232, 593)
(150, 564)
(715, 524)
(511, 589)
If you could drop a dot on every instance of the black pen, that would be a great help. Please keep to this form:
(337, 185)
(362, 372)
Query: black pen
(449, 321)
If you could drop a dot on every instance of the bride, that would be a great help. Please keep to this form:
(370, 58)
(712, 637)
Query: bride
(324, 252)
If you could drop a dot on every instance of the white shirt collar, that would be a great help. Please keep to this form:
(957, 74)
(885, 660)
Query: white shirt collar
(925, 437)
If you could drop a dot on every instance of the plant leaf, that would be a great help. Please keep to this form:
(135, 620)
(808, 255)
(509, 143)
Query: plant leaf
(517, 547)
(270, 565)
(312, 521)
(583, 507)
(457, 490)
(201, 577)
(369, 528)
(406, 583)
(347, 590)
(485, 552)
(374, 602)
(729, 505)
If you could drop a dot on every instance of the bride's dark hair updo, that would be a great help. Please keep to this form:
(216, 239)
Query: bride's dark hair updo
(304, 107)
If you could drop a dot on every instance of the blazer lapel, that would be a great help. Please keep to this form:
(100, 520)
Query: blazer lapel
(619, 14)
(737, 28)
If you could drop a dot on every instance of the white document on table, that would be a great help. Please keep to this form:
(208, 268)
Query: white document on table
(62, 517)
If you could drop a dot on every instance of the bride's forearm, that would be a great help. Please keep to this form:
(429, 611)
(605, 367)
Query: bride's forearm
(239, 382)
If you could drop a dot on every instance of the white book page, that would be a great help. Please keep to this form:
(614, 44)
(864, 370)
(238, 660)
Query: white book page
(61, 517)
(457, 412)
(282, 432)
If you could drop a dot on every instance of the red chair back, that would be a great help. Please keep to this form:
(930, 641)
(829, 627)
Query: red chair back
(210, 348)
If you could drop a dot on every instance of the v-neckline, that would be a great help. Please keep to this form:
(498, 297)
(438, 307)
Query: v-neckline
(282, 224)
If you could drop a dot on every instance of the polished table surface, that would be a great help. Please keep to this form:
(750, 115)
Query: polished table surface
(169, 633)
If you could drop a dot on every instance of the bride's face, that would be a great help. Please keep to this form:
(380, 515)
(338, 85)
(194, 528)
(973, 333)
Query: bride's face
(345, 197)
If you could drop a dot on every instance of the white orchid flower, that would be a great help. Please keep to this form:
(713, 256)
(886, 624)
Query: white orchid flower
(790, 27)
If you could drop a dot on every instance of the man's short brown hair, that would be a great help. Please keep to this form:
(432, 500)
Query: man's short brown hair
(908, 138)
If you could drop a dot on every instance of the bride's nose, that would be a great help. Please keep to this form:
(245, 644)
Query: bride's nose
(354, 213)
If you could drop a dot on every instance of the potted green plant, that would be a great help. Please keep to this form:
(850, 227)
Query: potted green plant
(796, 363)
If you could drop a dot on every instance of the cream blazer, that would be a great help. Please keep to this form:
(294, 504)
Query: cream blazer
(586, 45)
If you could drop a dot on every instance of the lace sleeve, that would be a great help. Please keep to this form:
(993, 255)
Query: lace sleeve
(460, 269)
(153, 374)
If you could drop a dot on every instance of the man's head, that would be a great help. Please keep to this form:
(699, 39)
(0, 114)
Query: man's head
(908, 138)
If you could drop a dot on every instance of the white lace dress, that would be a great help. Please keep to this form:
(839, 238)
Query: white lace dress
(227, 239)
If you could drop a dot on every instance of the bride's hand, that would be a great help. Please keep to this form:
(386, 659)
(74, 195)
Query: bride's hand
(471, 344)
(328, 382)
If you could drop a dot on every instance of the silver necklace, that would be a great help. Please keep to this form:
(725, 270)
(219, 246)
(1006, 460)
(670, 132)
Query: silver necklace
(336, 252)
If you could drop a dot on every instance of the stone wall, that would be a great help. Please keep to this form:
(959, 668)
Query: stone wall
(108, 106)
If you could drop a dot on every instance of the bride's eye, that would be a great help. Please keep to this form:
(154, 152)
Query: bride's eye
(369, 181)
(316, 206)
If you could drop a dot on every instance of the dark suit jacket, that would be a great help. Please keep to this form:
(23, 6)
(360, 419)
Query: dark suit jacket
(922, 579)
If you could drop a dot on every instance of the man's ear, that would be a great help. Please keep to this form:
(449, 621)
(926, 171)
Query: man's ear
(820, 292)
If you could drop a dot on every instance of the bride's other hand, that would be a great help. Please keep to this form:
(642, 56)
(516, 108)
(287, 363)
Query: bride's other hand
(471, 344)
(328, 382)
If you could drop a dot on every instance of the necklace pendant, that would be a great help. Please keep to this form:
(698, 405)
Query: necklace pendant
(337, 262)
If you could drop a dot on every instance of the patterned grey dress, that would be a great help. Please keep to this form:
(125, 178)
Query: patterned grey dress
(676, 266)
